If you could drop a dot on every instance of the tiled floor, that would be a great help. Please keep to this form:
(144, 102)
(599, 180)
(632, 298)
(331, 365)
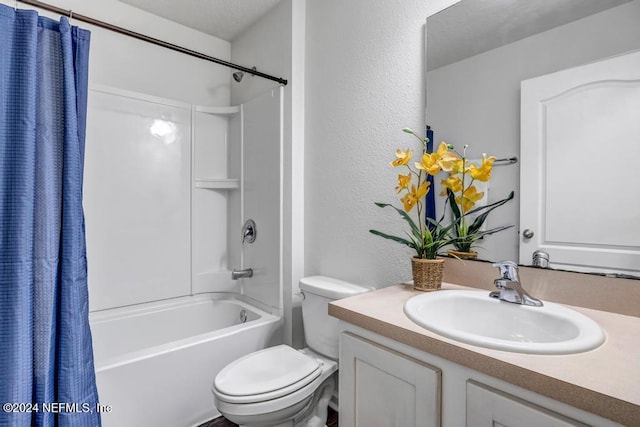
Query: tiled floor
(332, 421)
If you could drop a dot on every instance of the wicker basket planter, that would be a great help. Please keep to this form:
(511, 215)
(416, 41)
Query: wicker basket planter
(463, 254)
(427, 273)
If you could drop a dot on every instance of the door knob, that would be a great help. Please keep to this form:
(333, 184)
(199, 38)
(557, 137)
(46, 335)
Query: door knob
(527, 234)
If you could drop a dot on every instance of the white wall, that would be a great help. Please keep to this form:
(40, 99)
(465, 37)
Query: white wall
(365, 82)
(476, 101)
(275, 45)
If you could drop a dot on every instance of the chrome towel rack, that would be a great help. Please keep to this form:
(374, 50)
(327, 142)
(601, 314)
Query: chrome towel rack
(505, 161)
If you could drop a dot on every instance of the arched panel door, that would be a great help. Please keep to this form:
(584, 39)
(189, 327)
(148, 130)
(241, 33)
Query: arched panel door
(579, 178)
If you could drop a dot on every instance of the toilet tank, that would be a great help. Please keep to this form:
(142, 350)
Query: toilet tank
(320, 329)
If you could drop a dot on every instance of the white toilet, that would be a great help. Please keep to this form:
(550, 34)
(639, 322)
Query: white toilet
(281, 386)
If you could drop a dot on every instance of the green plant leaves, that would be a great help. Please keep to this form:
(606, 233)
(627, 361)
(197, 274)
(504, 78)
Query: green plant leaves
(467, 237)
(394, 238)
(480, 219)
(452, 203)
(426, 243)
(414, 228)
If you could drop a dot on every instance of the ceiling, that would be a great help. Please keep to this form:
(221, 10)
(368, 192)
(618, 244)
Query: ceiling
(475, 26)
(225, 19)
(465, 29)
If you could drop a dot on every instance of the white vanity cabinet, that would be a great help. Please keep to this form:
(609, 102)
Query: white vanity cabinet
(386, 383)
(381, 387)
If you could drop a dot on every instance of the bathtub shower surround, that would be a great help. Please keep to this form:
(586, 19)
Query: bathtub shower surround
(137, 177)
(164, 235)
(155, 362)
(169, 222)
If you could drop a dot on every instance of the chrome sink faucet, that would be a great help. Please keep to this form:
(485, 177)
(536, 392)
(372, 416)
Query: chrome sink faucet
(509, 287)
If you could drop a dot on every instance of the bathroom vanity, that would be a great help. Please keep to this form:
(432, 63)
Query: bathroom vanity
(394, 372)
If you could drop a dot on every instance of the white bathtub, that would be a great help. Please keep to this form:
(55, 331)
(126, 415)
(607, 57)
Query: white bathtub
(155, 363)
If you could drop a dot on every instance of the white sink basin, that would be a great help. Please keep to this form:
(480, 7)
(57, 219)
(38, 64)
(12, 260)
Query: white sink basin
(475, 318)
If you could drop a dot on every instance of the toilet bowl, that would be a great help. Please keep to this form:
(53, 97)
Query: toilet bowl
(278, 386)
(282, 386)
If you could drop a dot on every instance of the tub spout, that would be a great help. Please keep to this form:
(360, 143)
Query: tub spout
(238, 274)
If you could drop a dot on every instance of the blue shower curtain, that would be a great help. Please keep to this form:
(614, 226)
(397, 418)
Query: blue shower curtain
(46, 359)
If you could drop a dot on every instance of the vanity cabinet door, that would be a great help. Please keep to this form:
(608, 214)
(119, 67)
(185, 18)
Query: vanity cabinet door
(381, 387)
(487, 407)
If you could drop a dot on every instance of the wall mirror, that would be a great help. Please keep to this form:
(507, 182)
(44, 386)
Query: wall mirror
(478, 55)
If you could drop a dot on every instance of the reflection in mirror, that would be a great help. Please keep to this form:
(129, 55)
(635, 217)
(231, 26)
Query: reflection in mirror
(582, 215)
(479, 52)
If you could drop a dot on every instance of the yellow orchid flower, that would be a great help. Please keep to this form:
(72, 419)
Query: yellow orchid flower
(403, 182)
(453, 183)
(469, 198)
(429, 163)
(442, 159)
(403, 157)
(445, 158)
(415, 195)
(482, 173)
(458, 166)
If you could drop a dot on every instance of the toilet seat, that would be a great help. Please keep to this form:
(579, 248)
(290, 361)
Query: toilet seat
(277, 408)
(246, 380)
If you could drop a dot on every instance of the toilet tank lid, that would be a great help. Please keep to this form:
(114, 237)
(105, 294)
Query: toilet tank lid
(331, 288)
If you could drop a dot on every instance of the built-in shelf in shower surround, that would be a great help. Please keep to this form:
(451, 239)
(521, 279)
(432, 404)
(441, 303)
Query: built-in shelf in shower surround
(218, 183)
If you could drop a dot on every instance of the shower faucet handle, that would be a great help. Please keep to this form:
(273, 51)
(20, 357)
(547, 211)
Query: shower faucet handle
(249, 231)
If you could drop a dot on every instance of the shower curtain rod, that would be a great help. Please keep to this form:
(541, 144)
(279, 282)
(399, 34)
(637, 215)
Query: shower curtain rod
(71, 15)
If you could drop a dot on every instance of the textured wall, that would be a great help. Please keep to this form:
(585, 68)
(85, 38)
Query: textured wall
(364, 83)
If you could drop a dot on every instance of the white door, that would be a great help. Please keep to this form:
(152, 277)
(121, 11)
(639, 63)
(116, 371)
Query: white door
(579, 180)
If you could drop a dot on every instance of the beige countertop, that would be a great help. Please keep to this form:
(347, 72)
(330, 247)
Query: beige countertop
(604, 381)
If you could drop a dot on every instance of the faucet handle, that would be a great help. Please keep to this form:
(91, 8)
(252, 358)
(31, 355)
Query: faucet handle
(508, 270)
